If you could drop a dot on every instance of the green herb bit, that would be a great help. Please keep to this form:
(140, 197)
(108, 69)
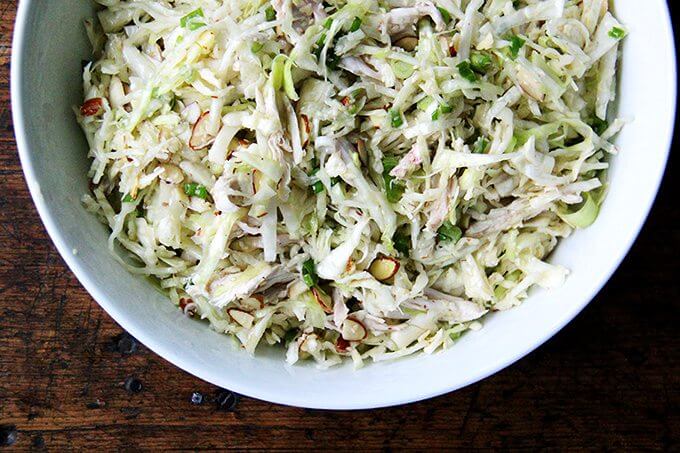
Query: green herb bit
(356, 24)
(309, 275)
(516, 43)
(480, 62)
(449, 233)
(128, 198)
(465, 70)
(396, 119)
(617, 33)
(270, 14)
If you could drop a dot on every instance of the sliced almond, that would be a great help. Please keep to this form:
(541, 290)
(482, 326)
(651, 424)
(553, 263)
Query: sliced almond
(384, 268)
(92, 107)
(305, 130)
(353, 330)
(200, 136)
(244, 318)
(257, 180)
(408, 43)
(323, 299)
(254, 302)
(309, 343)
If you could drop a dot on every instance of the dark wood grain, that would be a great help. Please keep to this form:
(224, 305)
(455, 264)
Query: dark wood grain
(610, 380)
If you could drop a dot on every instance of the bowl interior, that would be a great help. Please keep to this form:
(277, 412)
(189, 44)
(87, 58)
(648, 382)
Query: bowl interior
(50, 45)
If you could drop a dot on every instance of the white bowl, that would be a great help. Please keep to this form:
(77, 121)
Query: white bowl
(49, 44)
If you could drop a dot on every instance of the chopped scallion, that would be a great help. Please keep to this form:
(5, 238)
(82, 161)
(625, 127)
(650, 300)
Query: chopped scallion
(445, 14)
(465, 70)
(449, 232)
(393, 189)
(309, 275)
(480, 62)
(270, 14)
(396, 119)
(617, 33)
(201, 192)
(318, 187)
(516, 43)
(356, 24)
(196, 190)
(480, 145)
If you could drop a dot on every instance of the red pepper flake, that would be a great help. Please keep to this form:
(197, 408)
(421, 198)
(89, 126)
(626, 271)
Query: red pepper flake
(346, 101)
(92, 107)
(243, 142)
(452, 51)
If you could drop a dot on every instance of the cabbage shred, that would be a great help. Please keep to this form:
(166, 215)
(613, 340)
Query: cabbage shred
(355, 178)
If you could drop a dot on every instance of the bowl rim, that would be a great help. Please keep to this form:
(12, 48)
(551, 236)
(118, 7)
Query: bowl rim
(129, 324)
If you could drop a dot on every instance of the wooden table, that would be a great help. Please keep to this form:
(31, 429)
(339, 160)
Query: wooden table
(608, 380)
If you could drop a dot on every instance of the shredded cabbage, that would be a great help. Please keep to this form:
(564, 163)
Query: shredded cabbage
(349, 178)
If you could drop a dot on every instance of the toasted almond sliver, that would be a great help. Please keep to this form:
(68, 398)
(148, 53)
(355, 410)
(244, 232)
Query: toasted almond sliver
(323, 299)
(384, 268)
(200, 138)
(245, 319)
(353, 330)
